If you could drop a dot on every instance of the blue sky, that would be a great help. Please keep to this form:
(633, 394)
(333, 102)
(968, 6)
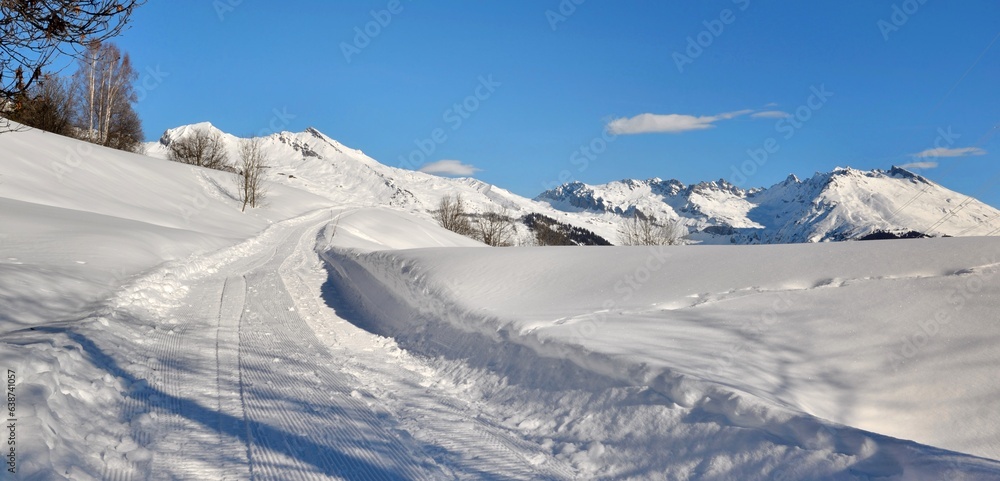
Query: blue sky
(533, 93)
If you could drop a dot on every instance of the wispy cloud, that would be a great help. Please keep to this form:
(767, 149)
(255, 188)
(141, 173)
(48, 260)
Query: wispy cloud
(771, 114)
(450, 167)
(919, 165)
(946, 152)
(667, 123)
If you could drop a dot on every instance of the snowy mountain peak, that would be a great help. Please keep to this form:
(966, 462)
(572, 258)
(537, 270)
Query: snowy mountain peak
(186, 130)
(845, 203)
(313, 161)
(906, 174)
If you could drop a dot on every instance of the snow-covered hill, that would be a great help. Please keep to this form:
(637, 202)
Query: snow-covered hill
(314, 162)
(151, 330)
(842, 204)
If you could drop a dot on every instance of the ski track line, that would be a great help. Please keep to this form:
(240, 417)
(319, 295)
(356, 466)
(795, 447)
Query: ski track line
(450, 427)
(294, 420)
(289, 387)
(181, 404)
(232, 383)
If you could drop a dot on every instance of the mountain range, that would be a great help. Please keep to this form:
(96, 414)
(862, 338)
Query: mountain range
(843, 204)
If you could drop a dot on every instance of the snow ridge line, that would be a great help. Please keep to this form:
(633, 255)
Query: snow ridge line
(397, 302)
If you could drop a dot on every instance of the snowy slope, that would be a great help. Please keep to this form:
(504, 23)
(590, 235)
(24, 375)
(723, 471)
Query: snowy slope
(312, 161)
(71, 210)
(640, 362)
(154, 331)
(838, 205)
(157, 332)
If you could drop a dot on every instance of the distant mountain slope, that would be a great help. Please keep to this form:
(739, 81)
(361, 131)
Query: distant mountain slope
(843, 204)
(314, 162)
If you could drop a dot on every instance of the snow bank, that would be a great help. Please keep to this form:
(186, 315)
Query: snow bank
(828, 347)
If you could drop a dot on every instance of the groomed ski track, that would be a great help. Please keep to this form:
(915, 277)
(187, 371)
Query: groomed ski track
(227, 379)
(254, 362)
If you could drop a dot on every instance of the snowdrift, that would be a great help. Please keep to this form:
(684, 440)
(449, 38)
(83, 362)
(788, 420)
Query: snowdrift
(831, 348)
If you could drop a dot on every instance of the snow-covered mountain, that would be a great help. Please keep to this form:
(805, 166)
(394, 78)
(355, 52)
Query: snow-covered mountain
(314, 162)
(843, 204)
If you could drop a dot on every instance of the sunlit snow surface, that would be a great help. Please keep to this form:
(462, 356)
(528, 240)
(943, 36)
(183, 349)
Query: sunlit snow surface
(159, 333)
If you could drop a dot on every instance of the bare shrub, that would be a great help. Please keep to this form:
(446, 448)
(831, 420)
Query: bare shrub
(451, 215)
(495, 228)
(203, 149)
(641, 230)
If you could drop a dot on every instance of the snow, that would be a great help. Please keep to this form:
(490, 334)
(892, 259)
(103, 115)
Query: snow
(843, 204)
(157, 332)
(895, 338)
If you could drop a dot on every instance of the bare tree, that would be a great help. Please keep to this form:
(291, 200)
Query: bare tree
(642, 230)
(452, 216)
(250, 173)
(49, 105)
(33, 32)
(204, 149)
(495, 228)
(104, 84)
(125, 130)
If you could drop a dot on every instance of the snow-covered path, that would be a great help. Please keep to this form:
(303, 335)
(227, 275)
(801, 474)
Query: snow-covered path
(228, 380)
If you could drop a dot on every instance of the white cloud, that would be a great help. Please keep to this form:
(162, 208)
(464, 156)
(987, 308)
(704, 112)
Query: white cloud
(667, 123)
(946, 152)
(450, 167)
(771, 114)
(919, 165)
(771, 104)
